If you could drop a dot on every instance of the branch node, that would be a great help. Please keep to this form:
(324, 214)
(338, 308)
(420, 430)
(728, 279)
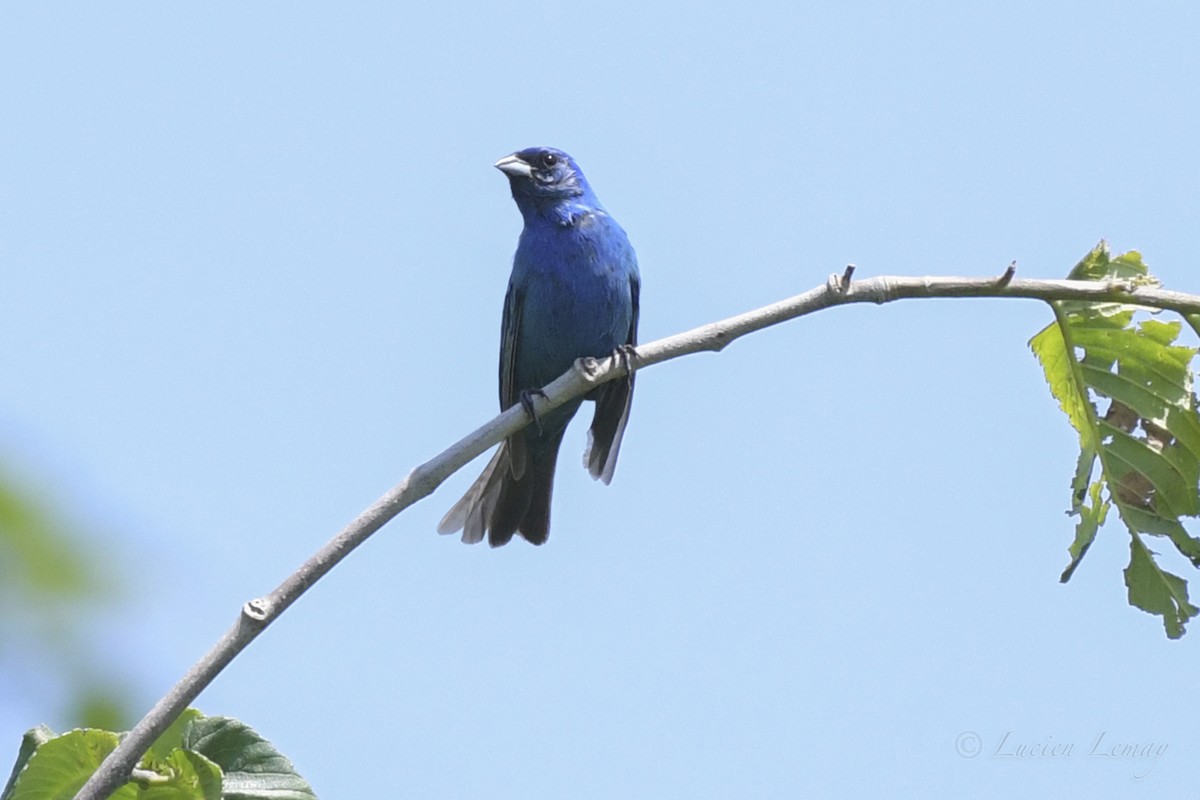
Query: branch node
(720, 335)
(841, 284)
(257, 610)
(587, 367)
(1007, 277)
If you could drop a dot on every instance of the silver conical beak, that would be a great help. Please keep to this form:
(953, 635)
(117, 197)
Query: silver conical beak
(514, 166)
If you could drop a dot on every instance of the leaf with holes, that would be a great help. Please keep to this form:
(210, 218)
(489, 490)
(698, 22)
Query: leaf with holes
(1127, 388)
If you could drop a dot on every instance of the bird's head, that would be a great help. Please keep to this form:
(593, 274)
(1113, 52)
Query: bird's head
(541, 177)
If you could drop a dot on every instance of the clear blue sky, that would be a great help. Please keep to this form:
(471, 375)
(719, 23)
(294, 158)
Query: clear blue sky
(252, 260)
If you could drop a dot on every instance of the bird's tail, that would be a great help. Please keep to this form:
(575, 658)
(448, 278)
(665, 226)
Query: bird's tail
(502, 504)
(472, 513)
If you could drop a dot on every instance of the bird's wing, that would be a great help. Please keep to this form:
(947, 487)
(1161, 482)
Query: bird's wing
(635, 288)
(510, 393)
(613, 402)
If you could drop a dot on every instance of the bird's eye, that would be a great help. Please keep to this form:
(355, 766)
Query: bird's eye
(549, 160)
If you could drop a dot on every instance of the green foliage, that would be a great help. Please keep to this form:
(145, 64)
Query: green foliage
(1127, 388)
(39, 560)
(59, 767)
(49, 579)
(197, 758)
(30, 742)
(253, 768)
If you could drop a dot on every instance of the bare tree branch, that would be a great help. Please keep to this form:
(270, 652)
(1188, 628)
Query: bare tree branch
(257, 614)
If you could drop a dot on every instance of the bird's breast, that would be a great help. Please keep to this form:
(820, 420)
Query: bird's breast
(577, 298)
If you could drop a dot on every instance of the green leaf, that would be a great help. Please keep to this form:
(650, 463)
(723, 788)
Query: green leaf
(1154, 590)
(167, 771)
(1082, 481)
(196, 758)
(253, 768)
(209, 777)
(31, 741)
(1051, 350)
(1091, 517)
(172, 738)
(1099, 265)
(183, 775)
(1128, 390)
(59, 767)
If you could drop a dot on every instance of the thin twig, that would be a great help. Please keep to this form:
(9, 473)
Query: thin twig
(838, 290)
(844, 282)
(1008, 275)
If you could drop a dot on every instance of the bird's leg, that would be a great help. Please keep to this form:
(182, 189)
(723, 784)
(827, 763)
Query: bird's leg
(527, 396)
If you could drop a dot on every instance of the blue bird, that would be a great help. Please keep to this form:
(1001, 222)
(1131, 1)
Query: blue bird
(573, 293)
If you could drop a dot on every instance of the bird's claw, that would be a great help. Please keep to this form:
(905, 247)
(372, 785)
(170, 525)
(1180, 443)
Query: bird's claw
(527, 396)
(626, 354)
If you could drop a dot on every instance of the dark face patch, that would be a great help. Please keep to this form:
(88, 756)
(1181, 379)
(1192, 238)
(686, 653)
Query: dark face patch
(553, 173)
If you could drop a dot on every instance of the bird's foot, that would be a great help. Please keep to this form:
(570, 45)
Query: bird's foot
(627, 355)
(527, 396)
